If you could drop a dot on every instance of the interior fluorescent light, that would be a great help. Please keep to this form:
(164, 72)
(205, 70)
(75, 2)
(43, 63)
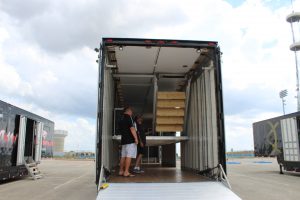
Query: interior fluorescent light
(177, 107)
(121, 48)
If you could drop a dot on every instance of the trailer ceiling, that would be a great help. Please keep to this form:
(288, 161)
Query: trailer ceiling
(142, 60)
(138, 91)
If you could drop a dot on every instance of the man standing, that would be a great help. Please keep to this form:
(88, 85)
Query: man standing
(141, 145)
(129, 140)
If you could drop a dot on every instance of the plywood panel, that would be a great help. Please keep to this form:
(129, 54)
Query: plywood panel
(169, 128)
(163, 112)
(170, 95)
(169, 120)
(170, 103)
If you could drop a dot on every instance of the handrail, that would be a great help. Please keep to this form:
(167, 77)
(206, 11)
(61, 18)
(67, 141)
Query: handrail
(223, 176)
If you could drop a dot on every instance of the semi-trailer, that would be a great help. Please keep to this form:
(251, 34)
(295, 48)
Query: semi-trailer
(24, 138)
(176, 86)
(279, 137)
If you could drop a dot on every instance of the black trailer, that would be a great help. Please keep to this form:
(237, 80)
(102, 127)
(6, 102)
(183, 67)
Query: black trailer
(24, 138)
(176, 85)
(280, 137)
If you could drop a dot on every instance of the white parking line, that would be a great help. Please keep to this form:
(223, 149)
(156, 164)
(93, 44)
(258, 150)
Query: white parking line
(70, 181)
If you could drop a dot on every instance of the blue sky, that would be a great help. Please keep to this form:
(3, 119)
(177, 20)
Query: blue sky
(273, 4)
(235, 3)
(47, 61)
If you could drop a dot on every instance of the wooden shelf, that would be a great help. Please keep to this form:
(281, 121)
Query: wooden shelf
(167, 112)
(170, 103)
(169, 120)
(170, 95)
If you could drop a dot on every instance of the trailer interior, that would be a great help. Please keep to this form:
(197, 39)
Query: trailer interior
(176, 87)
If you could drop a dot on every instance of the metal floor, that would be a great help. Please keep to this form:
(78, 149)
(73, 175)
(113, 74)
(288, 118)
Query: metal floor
(167, 191)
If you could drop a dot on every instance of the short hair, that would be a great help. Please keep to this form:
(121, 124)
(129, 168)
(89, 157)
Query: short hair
(126, 109)
(137, 117)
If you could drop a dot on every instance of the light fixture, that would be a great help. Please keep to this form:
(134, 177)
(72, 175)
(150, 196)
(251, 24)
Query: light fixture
(121, 48)
(282, 94)
(198, 50)
(177, 107)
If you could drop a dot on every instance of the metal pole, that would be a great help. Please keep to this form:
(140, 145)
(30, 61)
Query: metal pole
(283, 106)
(155, 89)
(292, 3)
(148, 154)
(187, 102)
(292, 19)
(297, 70)
(297, 84)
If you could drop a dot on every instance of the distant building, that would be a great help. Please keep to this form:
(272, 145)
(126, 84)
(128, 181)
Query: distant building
(80, 155)
(239, 154)
(59, 142)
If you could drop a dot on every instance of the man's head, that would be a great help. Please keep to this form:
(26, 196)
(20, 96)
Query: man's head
(127, 110)
(138, 119)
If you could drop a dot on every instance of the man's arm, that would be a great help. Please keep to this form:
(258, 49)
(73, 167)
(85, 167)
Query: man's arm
(134, 134)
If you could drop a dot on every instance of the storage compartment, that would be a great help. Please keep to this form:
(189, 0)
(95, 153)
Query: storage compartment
(176, 89)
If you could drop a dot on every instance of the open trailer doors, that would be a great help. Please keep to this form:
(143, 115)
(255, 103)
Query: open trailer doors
(38, 144)
(21, 141)
(22, 135)
(29, 141)
(290, 139)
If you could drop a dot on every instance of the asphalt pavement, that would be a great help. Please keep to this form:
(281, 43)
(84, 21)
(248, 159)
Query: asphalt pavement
(251, 179)
(259, 178)
(63, 179)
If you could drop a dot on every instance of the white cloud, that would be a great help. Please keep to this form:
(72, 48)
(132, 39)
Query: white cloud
(239, 135)
(10, 80)
(47, 63)
(81, 134)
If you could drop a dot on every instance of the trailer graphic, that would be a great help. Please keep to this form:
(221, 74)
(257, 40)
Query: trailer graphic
(24, 139)
(279, 137)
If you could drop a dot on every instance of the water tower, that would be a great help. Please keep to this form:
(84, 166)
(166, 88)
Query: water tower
(59, 142)
(293, 19)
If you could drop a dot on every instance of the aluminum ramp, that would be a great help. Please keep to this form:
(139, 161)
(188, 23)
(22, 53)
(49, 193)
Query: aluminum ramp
(167, 191)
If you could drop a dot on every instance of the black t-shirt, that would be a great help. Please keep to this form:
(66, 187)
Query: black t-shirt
(125, 124)
(141, 133)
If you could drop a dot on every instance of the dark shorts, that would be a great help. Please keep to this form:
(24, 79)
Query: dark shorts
(140, 150)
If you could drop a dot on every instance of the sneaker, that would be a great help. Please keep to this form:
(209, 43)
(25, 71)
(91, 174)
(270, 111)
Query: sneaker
(142, 171)
(137, 171)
